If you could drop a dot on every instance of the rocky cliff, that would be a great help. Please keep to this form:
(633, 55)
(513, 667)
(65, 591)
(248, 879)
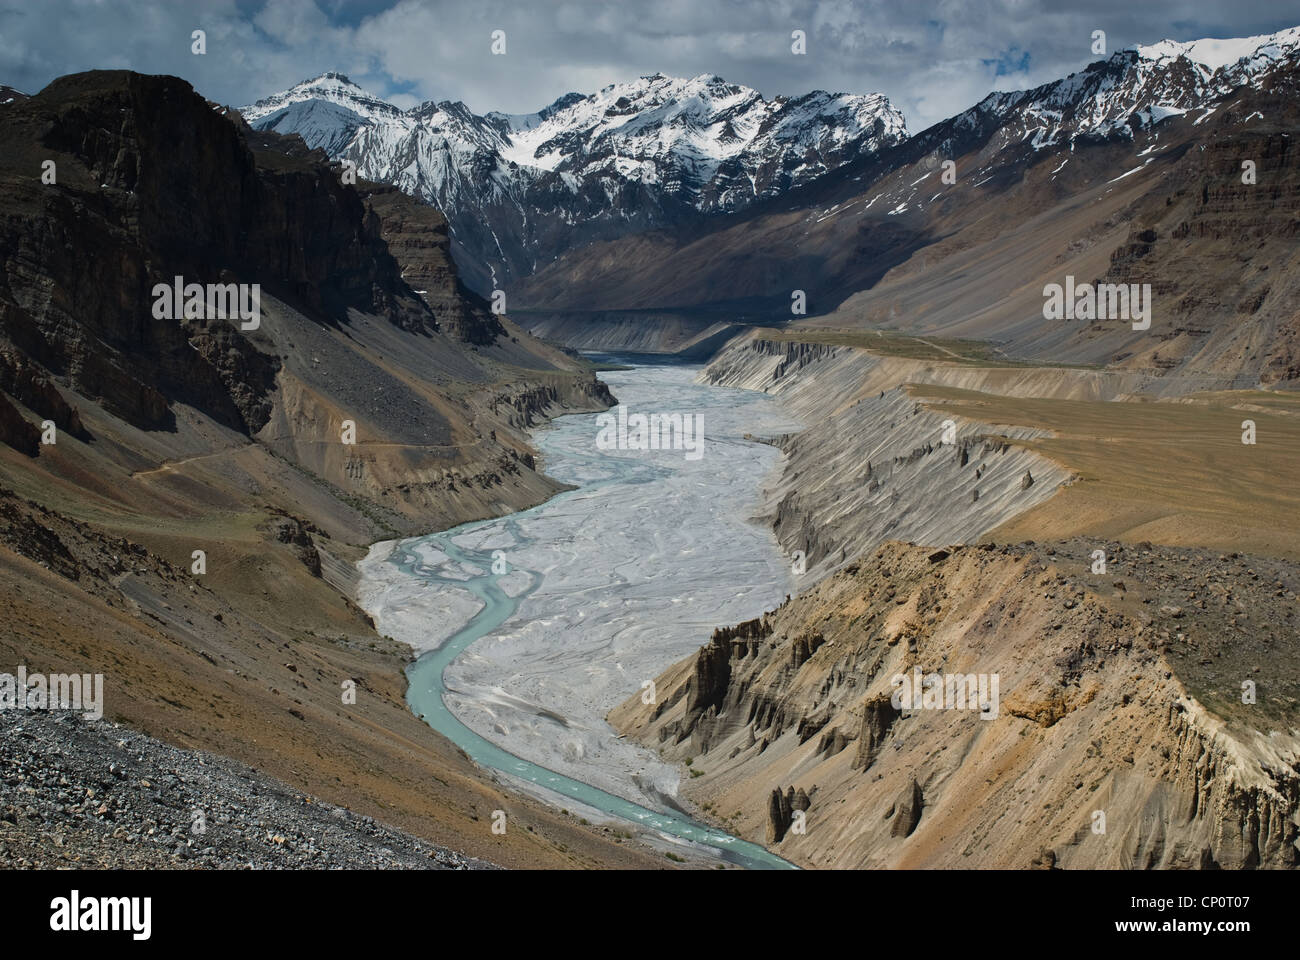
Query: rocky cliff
(1140, 718)
(364, 318)
(169, 187)
(417, 235)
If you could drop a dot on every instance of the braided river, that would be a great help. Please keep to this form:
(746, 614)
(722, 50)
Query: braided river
(530, 627)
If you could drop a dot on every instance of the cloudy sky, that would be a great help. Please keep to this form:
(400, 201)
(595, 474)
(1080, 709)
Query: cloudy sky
(932, 59)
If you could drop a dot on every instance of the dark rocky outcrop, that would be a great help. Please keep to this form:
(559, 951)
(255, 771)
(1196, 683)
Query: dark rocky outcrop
(417, 236)
(24, 382)
(709, 684)
(878, 716)
(905, 813)
(781, 808)
(21, 530)
(152, 183)
(292, 531)
(804, 646)
(524, 406)
(16, 430)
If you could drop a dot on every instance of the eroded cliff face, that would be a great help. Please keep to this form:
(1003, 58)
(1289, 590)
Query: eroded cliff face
(1220, 254)
(874, 463)
(417, 235)
(1114, 735)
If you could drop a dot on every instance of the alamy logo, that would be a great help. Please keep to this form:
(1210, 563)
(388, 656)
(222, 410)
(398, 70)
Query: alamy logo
(621, 430)
(74, 913)
(214, 301)
(953, 691)
(1105, 301)
(55, 691)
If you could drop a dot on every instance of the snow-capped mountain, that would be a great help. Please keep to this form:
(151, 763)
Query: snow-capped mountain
(1099, 124)
(654, 152)
(1137, 87)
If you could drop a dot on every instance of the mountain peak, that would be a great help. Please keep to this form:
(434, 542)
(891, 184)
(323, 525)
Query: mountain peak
(1136, 87)
(330, 87)
(332, 82)
(1215, 54)
(683, 147)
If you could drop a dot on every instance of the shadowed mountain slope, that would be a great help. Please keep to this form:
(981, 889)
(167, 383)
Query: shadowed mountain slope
(191, 531)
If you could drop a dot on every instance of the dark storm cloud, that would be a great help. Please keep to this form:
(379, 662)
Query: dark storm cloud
(930, 59)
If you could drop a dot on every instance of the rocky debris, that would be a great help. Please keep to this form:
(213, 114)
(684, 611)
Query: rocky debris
(24, 530)
(1046, 860)
(1026, 481)
(91, 794)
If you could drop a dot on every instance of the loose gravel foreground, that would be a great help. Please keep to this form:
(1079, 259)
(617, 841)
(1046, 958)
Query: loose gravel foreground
(91, 794)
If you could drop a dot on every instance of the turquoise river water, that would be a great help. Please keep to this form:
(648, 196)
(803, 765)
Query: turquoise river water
(555, 573)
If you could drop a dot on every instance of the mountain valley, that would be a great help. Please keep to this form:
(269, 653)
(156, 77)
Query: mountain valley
(266, 533)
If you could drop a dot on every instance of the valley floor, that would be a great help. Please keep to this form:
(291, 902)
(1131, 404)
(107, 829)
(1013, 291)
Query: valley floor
(779, 715)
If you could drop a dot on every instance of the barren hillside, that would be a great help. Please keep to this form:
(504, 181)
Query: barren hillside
(1115, 736)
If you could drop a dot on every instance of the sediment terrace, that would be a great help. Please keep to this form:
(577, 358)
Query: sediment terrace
(877, 464)
(1107, 458)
